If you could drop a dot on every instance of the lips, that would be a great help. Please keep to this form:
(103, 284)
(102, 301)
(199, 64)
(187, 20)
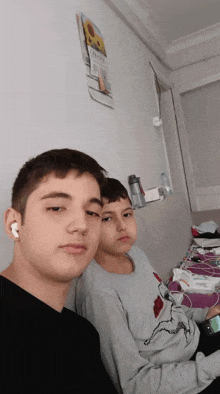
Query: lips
(124, 238)
(74, 248)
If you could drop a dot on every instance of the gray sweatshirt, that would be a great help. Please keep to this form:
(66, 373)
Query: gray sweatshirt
(146, 339)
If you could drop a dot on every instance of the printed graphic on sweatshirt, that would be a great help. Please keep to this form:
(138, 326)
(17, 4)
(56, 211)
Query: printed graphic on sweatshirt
(158, 306)
(157, 277)
(173, 318)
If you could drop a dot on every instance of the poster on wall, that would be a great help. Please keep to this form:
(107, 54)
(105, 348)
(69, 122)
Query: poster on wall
(95, 59)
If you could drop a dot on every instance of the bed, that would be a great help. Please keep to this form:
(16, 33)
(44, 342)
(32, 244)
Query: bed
(202, 261)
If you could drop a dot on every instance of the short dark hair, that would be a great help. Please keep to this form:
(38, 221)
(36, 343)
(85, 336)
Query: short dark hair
(113, 190)
(57, 161)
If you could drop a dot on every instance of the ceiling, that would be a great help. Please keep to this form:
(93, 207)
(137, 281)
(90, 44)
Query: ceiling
(179, 32)
(174, 19)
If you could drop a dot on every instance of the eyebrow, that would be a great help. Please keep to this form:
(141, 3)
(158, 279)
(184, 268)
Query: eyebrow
(56, 194)
(69, 197)
(126, 209)
(96, 201)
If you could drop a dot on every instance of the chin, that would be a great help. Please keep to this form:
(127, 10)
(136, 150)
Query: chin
(68, 273)
(126, 248)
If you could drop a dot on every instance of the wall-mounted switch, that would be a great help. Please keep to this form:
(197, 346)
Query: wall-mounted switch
(157, 122)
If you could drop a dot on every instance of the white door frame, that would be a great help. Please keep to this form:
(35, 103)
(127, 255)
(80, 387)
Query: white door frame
(197, 196)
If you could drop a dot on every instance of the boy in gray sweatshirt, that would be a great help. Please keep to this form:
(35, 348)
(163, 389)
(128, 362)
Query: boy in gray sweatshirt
(149, 344)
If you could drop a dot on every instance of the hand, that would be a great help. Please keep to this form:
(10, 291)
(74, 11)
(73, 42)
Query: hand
(213, 311)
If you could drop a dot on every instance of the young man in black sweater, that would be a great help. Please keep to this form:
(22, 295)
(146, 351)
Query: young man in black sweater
(55, 221)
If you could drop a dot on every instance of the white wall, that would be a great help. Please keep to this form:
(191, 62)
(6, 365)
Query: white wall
(164, 227)
(45, 104)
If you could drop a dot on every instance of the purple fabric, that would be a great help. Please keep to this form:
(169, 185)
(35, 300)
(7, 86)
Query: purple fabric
(198, 300)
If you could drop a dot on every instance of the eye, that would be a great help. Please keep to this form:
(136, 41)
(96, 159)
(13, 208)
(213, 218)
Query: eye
(106, 219)
(55, 209)
(91, 213)
(128, 215)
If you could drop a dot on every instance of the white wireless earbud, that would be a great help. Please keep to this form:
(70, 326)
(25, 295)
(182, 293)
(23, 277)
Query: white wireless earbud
(14, 228)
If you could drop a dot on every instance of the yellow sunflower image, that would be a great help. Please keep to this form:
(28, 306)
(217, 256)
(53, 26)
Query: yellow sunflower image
(90, 33)
(100, 44)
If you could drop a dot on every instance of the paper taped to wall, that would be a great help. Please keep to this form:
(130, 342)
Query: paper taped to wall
(95, 59)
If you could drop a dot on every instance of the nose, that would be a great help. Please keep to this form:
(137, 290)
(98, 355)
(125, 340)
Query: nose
(120, 225)
(77, 222)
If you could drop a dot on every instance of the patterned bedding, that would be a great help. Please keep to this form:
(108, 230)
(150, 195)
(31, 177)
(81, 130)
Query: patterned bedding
(203, 264)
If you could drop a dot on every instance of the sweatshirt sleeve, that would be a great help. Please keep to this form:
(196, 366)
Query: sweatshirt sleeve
(197, 314)
(130, 372)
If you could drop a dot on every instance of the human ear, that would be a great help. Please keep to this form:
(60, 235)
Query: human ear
(12, 223)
